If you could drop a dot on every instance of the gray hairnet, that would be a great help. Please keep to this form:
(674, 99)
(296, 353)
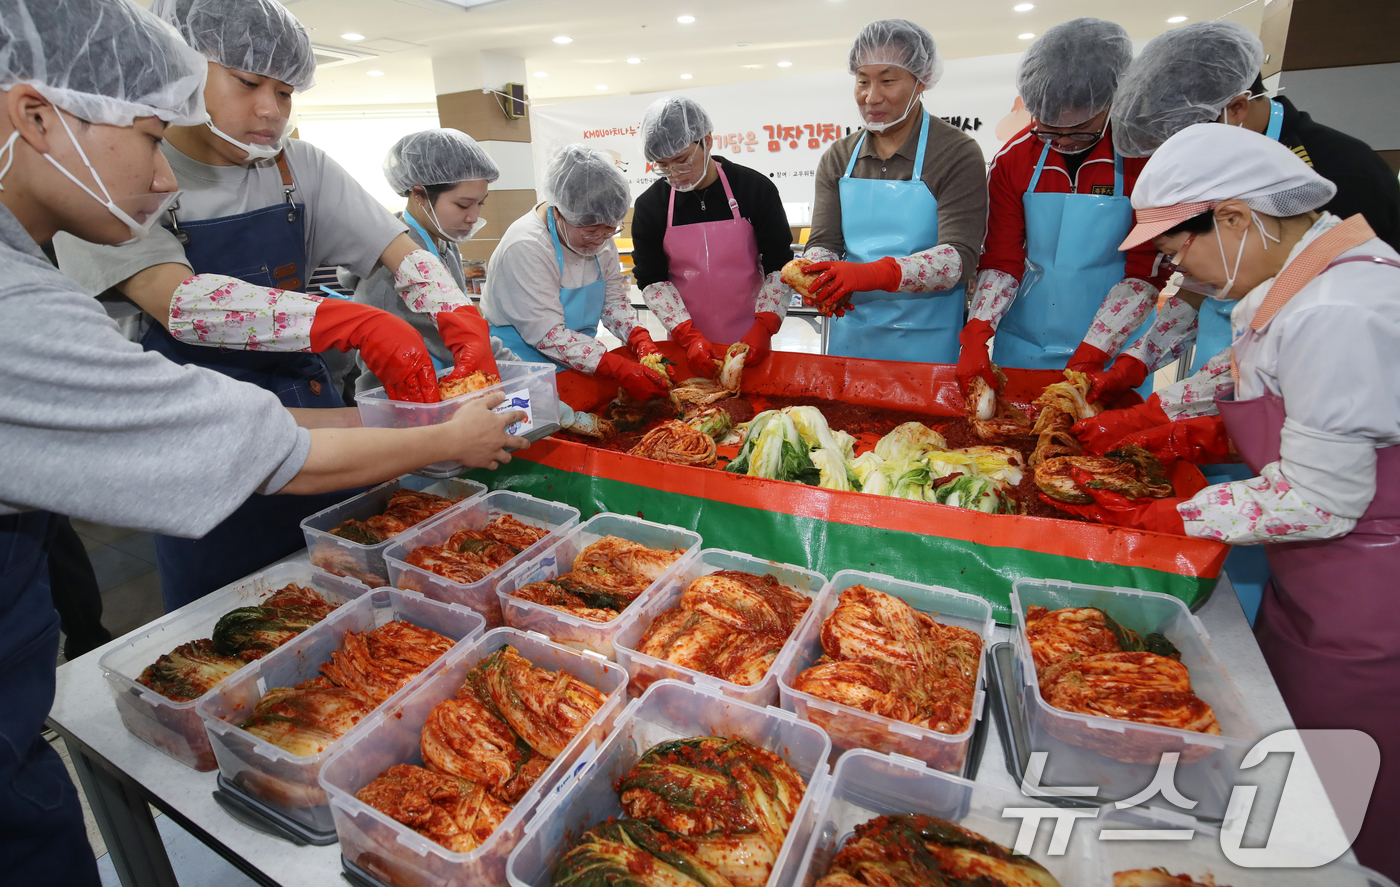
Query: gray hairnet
(671, 125)
(899, 42)
(1185, 76)
(437, 157)
(586, 187)
(1069, 74)
(104, 61)
(257, 36)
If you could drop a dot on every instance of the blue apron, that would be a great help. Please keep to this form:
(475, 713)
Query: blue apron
(428, 241)
(1213, 320)
(881, 218)
(44, 840)
(583, 307)
(1072, 262)
(266, 247)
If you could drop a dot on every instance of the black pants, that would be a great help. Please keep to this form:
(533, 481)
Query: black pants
(76, 596)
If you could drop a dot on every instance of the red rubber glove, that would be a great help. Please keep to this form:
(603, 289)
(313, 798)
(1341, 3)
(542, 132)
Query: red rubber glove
(1126, 373)
(638, 381)
(1104, 432)
(392, 349)
(1199, 440)
(1087, 359)
(702, 354)
(759, 338)
(468, 336)
(643, 345)
(837, 281)
(1156, 515)
(974, 360)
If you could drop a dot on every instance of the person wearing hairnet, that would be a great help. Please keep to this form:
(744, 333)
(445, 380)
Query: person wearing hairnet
(222, 278)
(1316, 418)
(1052, 285)
(444, 174)
(92, 425)
(555, 275)
(712, 276)
(904, 201)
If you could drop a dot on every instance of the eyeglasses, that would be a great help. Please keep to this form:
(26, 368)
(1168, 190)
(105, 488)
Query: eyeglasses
(667, 168)
(1173, 264)
(1081, 137)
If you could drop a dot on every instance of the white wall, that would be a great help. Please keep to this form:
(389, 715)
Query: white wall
(359, 144)
(1361, 100)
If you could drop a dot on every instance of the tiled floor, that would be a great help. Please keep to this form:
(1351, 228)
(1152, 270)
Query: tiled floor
(125, 563)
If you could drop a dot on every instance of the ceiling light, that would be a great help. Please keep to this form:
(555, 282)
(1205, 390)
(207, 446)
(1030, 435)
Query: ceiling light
(634, 61)
(752, 66)
(541, 73)
(742, 45)
(685, 19)
(1176, 19)
(785, 64)
(1024, 7)
(1026, 36)
(375, 73)
(562, 39)
(601, 86)
(352, 36)
(685, 76)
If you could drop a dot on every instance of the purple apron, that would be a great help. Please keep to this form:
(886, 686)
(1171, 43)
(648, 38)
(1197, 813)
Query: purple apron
(714, 266)
(1329, 625)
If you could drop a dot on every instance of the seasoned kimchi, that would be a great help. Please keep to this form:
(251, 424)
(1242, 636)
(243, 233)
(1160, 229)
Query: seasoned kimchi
(405, 509)
(606, 578)
(460, 381)
(1129, 471)
(457, 813)
(472, 555)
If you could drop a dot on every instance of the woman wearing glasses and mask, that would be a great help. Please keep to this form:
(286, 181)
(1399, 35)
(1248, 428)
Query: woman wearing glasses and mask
(710, 239)
(1052, 285)
(555, 275)
(903, 202)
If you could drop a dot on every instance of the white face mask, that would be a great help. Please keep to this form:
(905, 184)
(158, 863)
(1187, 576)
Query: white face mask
(690, 186)
(881, 127)
(456, 235)
(138, 229)
(1221, 291)
(254, 152)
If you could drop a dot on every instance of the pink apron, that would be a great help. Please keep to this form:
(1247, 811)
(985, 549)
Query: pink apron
(714, 266)
(1329, 624)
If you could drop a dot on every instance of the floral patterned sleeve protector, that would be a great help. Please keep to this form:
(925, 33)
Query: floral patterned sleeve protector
(939, 268)
(1126, 306)
(425, 284)
(221, 311)
(992, 295)
(665, 302)
(1174, 329)
(1260, 509)
(1196, 396)
(774, 296)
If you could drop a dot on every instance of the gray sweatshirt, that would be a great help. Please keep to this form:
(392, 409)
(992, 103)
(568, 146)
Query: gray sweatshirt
(94, 427)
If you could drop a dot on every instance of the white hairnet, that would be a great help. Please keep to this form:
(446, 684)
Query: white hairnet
(104, 61)
(586, 187)
(257, 36)
(1185, 76)
(671, 125)
(899, 42)
(437, 157)
(1069, 74)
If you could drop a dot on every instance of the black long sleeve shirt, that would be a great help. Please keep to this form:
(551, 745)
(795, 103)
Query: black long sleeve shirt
(758, 201)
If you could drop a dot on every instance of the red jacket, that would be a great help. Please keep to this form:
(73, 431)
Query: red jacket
(1012, 170)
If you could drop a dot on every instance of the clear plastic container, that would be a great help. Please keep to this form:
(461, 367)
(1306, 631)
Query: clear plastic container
(366, 562)
(866, 784)
(479, 596)
(852, 728)
(1207, 766)
(285, 782)
(175, 727)
(643, 670)
(394, 853)
(573, 631)
(670, 710)
(525, 386)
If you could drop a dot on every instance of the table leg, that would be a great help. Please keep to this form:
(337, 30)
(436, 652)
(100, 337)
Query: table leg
(126, 823)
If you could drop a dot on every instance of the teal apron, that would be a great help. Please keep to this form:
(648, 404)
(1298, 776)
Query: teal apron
(428, 241)
(1072, 262)
(881, 218)
(1213, 320)
(583, 307)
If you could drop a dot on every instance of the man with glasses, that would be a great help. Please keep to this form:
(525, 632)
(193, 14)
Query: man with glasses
(555, 275)
(1052, 286)
(710, 239)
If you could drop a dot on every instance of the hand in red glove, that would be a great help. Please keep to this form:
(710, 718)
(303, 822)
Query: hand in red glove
(1103, 432)
(638, 381)
(1126, 373)
(1087, 359)
(837, 281)
(468, 336)
(759, 338)
(702, 354)
(1156, 515)
(392, 349)
(643, 345)
(975, 360)
(1199, 440)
